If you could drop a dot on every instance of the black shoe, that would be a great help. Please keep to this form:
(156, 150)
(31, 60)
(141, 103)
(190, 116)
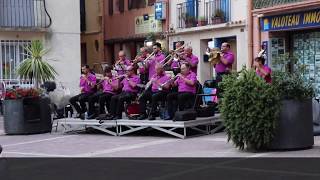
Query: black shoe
(142, 117)
(151, 118)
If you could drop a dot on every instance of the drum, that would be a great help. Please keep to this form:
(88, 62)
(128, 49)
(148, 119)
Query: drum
(133, 109)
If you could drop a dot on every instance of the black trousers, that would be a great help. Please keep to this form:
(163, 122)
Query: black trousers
(144, 78)
(104, 101)
(182, 100)
(218, 80)
(153, 98)
(117, 102)
(79, 102)
(92, 100)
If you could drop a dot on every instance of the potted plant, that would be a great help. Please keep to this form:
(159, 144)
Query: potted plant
(218, 17)
(250, 109)
(190, 21)
(202, 21)
(26, 111)
(295, 125)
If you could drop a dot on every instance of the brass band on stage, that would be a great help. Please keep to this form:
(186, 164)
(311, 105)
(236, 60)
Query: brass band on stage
(120, 84)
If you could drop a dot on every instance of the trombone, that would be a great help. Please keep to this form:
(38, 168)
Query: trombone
(172, 54)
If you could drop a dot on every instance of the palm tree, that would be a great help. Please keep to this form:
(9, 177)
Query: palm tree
(34, 67)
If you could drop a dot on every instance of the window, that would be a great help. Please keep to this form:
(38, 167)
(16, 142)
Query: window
(136, 4)
(118, 6)
(110, 7)
(83, 15)
(151, 2)
(12, 53)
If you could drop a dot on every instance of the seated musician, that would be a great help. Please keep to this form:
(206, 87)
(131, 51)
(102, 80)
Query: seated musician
(159, 90)
(174, 62)
(129, 93)
(109, 88)
(158, 58)
(87, 85)
(122, 64)
(190, 58)
(186, 82)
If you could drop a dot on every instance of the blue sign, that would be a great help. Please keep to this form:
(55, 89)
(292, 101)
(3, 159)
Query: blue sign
(160, 13)
(298, 20)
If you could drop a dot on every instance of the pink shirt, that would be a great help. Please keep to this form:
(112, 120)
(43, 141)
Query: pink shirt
(193, 60)
(107, 86)
(121, 69)
(268, 77)
(142, 69)
(222, 68)
(159, 57)
(163, 78)
(85, 84)
(126, 86)
(184, 87)
(175, 64)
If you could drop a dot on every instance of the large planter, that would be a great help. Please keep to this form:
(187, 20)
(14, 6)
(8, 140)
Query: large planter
(27, 116)
(295, 126)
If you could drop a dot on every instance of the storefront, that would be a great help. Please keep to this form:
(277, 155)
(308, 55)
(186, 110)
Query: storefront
(296, 34)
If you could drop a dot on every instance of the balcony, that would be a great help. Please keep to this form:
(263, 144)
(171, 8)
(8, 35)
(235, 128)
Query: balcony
(24, 15)
(259, 4)
(213, 12)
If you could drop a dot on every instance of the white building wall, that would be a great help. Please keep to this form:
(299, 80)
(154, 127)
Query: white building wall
(62, 39)
(198, 36)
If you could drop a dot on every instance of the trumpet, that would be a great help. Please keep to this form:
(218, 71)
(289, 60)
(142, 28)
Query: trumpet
(214, 56)
(121, 76)
(170, 55)
(149, 57)
(160, 88)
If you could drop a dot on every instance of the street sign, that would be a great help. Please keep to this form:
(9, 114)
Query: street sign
(160, 10)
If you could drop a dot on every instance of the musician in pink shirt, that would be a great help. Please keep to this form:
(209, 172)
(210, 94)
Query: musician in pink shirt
(142, 69)
(158, 92)
(87, 86)
(190, 58)
(263, 70)
(129, 93)
(158, 58)
(122, 64)
(109, 86)
(187, 85)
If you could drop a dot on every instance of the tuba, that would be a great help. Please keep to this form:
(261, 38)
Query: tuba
(214, 56)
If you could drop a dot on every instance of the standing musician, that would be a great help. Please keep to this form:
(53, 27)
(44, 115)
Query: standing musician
(225, 65)
(139, 60)
(186, 82)
(158, 58)
(109, 88)
(129, 92)
(174, 62)
(191, 59)
(122, 64)
(87, 85)
(159, 90)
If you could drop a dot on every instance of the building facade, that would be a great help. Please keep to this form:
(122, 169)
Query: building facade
(198, 22)
(92, 31)
(22, 21)
(289, 28)
(128, 25)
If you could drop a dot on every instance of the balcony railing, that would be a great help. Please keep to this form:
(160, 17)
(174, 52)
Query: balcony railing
(214, 12)
(217, 11)
(24, 14)
(259, 4)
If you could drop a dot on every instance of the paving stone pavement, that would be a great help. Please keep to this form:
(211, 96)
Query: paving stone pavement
(58, 144)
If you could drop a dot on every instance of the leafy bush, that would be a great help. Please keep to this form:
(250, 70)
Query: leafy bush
(292, 86)
(250, 108)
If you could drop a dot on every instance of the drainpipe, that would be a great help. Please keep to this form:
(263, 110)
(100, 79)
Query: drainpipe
(250, 33)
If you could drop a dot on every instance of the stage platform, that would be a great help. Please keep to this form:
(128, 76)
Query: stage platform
(125, 126)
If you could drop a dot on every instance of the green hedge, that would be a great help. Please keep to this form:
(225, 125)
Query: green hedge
(250, 108)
